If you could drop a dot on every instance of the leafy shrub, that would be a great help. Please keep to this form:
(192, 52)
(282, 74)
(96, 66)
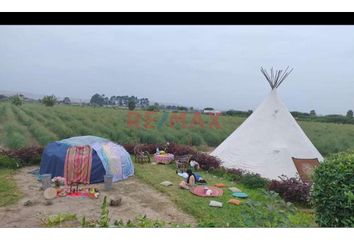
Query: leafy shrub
(8, 162)
(49, 101)
(58, 219)
(235, 173)
(16, 100)
(292, 189)
(332, 193)
(206, 161)
(25, 156)
(273, 212)
(254, 180)
(129, 147)
(178, 149)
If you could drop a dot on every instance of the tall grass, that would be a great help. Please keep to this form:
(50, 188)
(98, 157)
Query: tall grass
(14, 134)
(62, 121)
(42, 134)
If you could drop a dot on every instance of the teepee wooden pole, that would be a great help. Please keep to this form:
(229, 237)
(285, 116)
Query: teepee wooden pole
(276, 77)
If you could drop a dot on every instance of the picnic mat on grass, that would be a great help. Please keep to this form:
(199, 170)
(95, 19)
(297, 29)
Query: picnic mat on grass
(199, 191)
(78, 162)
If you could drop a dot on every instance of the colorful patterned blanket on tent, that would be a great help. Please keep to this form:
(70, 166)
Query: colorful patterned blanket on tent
(78, 162)
(115, 159)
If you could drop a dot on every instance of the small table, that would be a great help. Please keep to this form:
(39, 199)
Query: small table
(164, 158)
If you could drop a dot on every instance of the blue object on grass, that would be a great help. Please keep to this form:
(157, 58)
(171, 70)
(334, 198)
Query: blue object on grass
(240, 195)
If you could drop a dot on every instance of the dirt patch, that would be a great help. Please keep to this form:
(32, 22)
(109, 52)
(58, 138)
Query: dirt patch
(137, 199)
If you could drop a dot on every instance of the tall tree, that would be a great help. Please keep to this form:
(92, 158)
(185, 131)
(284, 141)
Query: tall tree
(131, 104)
(313, 113)
(350, 114)
(67, 100)
(97, 99)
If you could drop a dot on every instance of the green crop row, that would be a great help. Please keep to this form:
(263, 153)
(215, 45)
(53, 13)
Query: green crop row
(61, 121)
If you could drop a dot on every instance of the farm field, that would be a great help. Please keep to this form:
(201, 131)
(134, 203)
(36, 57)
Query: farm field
(35, 124)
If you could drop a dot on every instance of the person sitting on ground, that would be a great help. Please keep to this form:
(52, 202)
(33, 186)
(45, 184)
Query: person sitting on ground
(198, 178)
(190, 181)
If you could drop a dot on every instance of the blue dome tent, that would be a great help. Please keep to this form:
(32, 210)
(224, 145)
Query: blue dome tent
(107, 158)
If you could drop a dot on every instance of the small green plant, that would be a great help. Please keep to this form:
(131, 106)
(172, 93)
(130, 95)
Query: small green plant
(140, 221)
(49, 101)
(58, 219)
(272, 213)
(332, 193)
(104, 219)
(253, 180)
(8, 162)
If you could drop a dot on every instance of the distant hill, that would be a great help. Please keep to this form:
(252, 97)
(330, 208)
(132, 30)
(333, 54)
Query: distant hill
(40, 96)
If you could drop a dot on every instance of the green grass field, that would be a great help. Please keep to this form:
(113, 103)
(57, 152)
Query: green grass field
(36, 124)
(264, 211)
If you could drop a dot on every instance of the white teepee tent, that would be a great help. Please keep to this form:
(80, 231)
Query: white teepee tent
(268, 139)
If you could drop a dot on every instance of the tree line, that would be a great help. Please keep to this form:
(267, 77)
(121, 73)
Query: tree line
(122, 101)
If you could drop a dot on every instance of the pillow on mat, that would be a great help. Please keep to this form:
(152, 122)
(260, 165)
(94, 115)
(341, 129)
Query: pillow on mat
(234, 189)
(166, 183)
(234, 201)
(215, 204)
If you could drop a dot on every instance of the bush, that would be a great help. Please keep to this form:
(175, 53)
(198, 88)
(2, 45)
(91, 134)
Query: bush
(235, 174)
(291, 189)
(25, 156)
(8, 162)
(16, 100)
(178, 149)
(129, 147)
(49, 101)
(332, 193)
(253, 180)
(206, 161)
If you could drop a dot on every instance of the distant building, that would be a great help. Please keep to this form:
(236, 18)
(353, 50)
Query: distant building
(213, 112)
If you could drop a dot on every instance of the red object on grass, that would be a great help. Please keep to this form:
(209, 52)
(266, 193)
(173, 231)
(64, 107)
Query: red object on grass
(201, 191)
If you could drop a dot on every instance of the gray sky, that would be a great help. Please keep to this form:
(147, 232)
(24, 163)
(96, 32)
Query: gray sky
(199, 66)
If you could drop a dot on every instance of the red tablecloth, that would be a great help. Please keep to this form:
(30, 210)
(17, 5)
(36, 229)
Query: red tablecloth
(164, 158)
(200, 191)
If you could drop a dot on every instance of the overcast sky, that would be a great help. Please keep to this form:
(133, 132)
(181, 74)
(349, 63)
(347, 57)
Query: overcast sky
(200, 66)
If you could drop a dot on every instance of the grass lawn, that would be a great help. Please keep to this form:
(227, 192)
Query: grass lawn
(260, 210)
(8, 190)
